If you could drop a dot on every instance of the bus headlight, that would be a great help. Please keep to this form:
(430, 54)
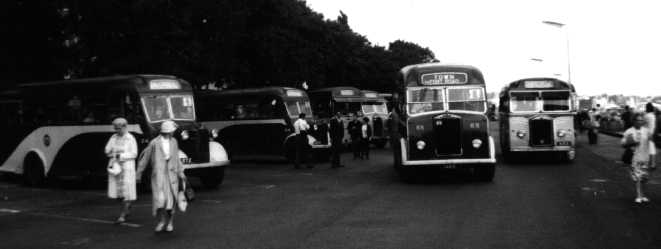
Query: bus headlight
(561, 133)
(477, 143)
(214, 133)
(184, 135)
(421, 144)
(520, 134)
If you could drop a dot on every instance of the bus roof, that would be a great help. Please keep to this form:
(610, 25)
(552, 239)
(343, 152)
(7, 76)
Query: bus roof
(141, 78)
(413, 73)
(272, 90)
(342, 93)
(538, 84)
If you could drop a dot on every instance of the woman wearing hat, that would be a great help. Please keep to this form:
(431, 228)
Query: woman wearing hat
(162, 154)
(121, 150)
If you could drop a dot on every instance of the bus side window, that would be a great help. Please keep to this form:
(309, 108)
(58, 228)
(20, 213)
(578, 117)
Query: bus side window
(267, 108)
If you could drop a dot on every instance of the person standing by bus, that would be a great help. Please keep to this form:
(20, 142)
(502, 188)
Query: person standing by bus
(353, 128)
(301, 128)
(336, 135)
(650, 123)
(162, 154)
(122, 150)
(594, 126)
(638, 138)
(366, 134)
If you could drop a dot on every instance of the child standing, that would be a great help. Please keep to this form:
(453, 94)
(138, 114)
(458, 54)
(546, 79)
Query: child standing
(638, 139)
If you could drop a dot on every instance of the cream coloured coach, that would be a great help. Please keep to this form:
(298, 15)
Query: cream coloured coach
(537, 115)
(59, 129)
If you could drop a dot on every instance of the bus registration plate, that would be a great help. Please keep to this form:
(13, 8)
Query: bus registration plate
(186, 160)
(449, 166)
(563, 143)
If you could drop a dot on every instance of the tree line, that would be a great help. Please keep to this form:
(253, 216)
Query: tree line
(232, 43)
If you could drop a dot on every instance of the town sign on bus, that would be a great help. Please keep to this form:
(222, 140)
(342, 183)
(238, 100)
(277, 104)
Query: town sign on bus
(444, 78)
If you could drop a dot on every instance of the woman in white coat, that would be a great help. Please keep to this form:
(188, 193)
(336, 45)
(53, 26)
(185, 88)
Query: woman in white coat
(122, 150)
(162, 154)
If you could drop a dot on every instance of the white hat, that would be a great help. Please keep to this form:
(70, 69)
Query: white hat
(168, 126)
(119, 122)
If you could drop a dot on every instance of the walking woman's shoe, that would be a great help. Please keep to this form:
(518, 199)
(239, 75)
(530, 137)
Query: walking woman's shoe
(169, 228)
(120, 220)
(639, 200)
(159, 227)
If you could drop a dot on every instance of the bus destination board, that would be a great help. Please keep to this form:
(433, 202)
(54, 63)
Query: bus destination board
(444, 78)
(538, 84)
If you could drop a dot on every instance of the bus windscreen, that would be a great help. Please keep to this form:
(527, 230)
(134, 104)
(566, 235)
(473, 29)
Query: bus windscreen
(555, 101)
(296, 107)
(466, 99)
(164, 107)
(375, 107)
(425, 100)
(523, 101)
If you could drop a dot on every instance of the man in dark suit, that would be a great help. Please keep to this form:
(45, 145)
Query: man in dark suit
(336, 135)
(354, 127)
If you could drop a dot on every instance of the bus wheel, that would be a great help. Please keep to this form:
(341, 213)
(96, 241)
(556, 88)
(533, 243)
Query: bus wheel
(485, 172)
(33, 171)
(213, 177)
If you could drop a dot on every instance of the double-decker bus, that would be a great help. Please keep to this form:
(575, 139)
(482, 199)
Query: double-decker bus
(258, 123)
(343, 99)
(60, 128)
(440, 120)
(374, 107)
(537, 115)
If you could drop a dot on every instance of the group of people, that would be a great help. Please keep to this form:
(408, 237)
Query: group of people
(360, 132)
(167, 173)
(358, 128)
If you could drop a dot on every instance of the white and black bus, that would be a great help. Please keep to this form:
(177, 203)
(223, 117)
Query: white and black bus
(60, 128)
(258, 123)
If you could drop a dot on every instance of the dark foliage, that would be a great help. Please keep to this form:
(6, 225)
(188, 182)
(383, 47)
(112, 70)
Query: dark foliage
(235, 42)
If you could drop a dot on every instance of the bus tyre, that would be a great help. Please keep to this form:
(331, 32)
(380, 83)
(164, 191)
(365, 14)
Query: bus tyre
(213, 177)
(485, 172)
(33, 171)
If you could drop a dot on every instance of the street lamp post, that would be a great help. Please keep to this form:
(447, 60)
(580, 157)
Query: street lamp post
(561, 25)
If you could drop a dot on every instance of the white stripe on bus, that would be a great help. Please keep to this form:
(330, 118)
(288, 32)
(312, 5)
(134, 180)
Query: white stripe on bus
(59, 135)
(227, 123)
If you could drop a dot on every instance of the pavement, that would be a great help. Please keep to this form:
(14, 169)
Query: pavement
(536, 203)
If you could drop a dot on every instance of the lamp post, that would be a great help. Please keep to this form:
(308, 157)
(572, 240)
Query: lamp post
(561, 25)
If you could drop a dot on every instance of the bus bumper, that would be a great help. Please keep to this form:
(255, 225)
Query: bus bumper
(490, 160)
(540, 149)
(206, 165)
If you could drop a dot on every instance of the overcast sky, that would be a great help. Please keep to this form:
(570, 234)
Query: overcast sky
(615, 46)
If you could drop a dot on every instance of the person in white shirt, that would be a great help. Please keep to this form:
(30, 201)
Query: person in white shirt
(301, 128)
(366, 134)
(637, 138)
(650, 123)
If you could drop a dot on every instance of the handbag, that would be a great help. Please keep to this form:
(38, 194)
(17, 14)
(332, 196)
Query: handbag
(114, 168)
(188, 191)
(182, 201)
(627, 156)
